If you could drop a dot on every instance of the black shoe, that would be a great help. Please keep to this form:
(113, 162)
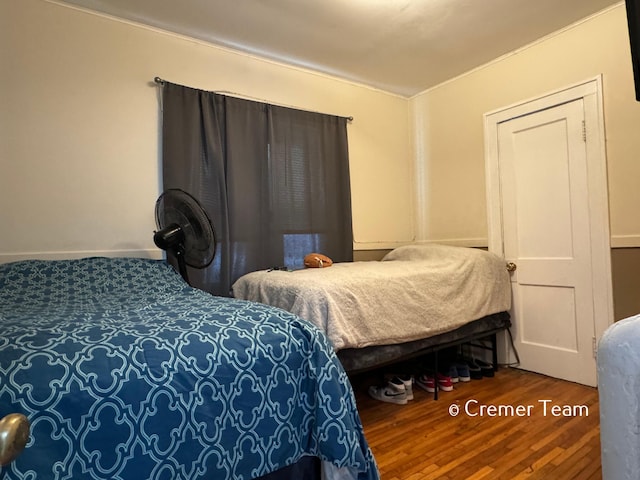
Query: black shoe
(486, 368)
(474, 369)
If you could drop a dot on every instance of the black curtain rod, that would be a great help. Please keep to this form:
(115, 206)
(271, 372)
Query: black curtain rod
(161, 82)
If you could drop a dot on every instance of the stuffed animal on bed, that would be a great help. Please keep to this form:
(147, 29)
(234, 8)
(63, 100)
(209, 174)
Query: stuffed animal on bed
(317, 260)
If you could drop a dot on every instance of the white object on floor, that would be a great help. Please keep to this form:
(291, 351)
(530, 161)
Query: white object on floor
(392, 392)
(408, 386)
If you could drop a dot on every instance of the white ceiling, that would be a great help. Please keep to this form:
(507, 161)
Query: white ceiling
(400, 46)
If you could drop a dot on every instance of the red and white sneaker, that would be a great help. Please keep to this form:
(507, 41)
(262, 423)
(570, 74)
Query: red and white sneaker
(426, 382)
(444, 382)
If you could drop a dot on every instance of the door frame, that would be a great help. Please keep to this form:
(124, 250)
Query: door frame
(591, 93)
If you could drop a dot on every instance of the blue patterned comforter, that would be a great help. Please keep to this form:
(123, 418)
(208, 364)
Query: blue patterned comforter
(125, 372)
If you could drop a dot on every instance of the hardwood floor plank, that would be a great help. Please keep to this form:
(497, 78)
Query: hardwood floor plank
(485, 472)
(590, 438)
(515, 425)
(539, 464)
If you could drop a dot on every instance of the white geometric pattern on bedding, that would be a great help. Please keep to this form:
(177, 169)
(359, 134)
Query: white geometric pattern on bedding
(125, 372)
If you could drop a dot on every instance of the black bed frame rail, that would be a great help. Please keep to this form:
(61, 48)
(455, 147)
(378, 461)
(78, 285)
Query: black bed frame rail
(491, 335)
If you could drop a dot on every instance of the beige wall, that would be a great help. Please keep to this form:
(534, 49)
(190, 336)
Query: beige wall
(79, 161)
(625, 269)
(447, 122)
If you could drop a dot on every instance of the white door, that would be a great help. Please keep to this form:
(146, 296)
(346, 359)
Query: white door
(546, 194)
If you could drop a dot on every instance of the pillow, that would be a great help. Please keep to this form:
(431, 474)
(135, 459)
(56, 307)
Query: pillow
(417, 252)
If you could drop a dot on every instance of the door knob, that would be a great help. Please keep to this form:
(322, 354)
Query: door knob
(511, 267)
(14, 434)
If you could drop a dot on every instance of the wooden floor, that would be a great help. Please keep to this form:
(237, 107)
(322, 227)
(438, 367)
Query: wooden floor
(423, 441)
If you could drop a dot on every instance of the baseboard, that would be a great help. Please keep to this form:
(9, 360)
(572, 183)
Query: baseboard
(617, 241)
(625, 241)
(142, 253)
(378, 245)
(482, 242)
(456, 242)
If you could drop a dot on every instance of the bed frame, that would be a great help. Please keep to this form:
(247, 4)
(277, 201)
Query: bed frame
(435, 296)
(308, 468)
(358, 360)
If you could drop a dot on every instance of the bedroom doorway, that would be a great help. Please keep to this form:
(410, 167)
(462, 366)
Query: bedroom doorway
(548, 216)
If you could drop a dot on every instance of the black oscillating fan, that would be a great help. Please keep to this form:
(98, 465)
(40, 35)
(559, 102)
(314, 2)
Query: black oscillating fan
(184, 230)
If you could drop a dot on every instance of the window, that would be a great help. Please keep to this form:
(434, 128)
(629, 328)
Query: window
(274, 180)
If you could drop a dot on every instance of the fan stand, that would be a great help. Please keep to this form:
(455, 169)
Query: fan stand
(182, 265)
(171, 239)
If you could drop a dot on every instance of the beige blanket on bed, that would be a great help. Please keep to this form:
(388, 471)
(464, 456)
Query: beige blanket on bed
(415, 292)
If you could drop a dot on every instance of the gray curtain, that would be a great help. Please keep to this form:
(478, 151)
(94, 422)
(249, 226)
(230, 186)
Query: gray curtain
(274, 180)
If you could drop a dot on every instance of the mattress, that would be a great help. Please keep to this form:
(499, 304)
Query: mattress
(416, 292)
(126, 372)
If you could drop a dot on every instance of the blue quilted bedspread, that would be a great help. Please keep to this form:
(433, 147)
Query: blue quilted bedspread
(126, 372)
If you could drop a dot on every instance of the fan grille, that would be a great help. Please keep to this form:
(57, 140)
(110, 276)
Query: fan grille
(176, 206)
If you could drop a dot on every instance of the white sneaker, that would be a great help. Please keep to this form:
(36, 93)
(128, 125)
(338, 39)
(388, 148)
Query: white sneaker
(408, 385)
(406, 379)
(393, 392)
